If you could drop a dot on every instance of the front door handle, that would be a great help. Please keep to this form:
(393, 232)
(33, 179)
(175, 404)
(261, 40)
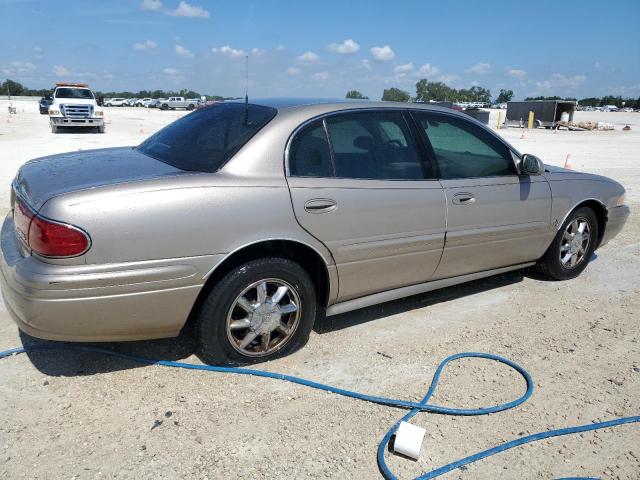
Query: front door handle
(320, 205)
(463, 198)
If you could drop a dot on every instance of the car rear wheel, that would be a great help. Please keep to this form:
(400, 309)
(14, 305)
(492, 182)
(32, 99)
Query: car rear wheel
(259, 311)
(572, 248)
(164, 106)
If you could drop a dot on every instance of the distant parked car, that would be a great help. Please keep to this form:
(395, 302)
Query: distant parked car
(142, 102)
(116, 102)
(179, 102)
(155, 103)
(44, 104)
(245, 219)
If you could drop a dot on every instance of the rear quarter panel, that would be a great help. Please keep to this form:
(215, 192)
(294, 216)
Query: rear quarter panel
(205, 214)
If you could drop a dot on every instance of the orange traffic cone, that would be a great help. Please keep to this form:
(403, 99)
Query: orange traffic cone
(568, 164)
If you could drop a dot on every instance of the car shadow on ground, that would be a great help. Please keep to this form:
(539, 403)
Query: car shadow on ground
(375, 312)
(68, 363)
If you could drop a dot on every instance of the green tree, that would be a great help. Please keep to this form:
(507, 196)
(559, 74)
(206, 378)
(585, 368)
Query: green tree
(10, 87)
(395, 95)
(356, 94)
(504, 96)
(438, 92)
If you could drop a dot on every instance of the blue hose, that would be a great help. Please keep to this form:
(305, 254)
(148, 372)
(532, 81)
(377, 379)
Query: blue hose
(413, 407)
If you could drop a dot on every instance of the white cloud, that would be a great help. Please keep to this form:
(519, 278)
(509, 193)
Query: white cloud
(60, 71)
(447, 78)
(480, 68)
(516, 73)
(17, 68)
(308, 57)
(346, 47)
(382, 54)
(560, 81)
(153, 5)
(320, 76)
(293, 71)
(183, 51)
(146, 45)
(229, 51)
(170, 71)
(428, 70)
(187, 10)
(366, 64)
(404, 69)
(256, 52)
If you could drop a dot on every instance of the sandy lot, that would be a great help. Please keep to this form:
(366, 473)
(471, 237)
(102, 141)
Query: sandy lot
(84, 416)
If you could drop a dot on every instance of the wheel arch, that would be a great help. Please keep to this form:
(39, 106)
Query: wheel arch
(306, 256)
(598, 208)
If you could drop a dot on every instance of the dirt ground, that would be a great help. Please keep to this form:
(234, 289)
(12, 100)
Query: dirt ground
(84, 416)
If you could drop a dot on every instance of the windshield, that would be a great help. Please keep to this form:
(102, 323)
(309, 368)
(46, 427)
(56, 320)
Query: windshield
(205, 140)
(74, 93)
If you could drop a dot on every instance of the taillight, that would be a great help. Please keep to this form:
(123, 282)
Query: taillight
(48, 237)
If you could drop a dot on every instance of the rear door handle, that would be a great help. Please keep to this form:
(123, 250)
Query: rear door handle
(320, 205)
(463, 198)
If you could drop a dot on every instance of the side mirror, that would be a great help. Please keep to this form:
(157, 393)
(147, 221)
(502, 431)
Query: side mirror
(531, 165)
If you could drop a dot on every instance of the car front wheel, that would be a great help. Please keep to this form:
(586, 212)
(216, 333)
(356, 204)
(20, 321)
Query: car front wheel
(259, 311)
(572, 248)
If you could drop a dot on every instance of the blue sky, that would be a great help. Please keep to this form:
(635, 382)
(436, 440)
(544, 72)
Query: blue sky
(323, 49)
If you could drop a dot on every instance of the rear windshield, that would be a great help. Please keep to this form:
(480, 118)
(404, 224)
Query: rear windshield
(74, 93)
(204, 140)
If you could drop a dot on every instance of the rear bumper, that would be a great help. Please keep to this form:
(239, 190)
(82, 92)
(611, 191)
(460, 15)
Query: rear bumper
(112, 302)
(616, 218)
(76, 122)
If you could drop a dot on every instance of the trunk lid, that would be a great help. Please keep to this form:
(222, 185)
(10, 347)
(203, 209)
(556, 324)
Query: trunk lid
(43, 178)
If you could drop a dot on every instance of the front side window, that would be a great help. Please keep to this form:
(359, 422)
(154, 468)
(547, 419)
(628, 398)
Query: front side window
(464, 150)
(373, 145)
(205, 139)
(309, 155)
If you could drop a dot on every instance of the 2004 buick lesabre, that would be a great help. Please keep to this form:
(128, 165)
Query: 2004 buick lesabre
(253, 220)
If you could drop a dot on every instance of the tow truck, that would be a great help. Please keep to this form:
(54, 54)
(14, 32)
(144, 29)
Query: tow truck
(74, 105)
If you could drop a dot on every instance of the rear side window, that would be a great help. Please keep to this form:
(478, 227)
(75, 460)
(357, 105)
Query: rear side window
(206, 139)
(309, 155)
(373, 145)
(464, 150)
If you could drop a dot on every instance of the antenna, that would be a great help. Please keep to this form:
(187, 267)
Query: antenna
(246, 92)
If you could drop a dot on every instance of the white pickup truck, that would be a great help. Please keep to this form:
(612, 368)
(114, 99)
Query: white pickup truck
(178, 102)
(74, 105)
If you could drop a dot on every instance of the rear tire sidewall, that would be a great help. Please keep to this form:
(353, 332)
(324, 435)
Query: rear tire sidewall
(211, 329)
(551, 264)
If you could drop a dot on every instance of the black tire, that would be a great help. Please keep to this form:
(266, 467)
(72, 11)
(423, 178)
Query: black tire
(550, 264)
(164, 106)
(211, 319)
(191, 106)
(54, 129)
(100, 129)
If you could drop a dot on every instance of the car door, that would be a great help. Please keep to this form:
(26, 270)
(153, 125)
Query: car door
(360, 185)
(495, 217)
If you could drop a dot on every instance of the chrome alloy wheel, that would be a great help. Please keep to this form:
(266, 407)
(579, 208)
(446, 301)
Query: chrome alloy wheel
(263, 317)
(575, 243)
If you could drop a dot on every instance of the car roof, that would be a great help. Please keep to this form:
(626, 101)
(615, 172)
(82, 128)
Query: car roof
(338, 104)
